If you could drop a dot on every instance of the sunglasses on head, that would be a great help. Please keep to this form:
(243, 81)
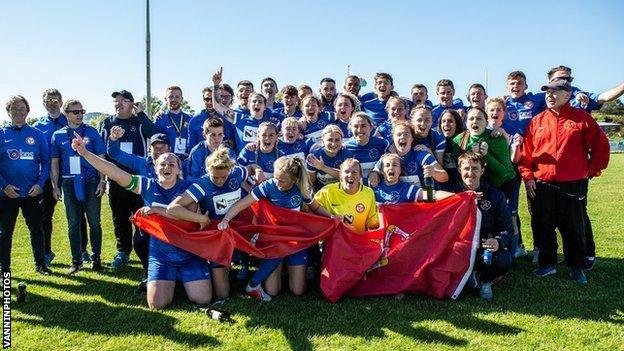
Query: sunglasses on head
(53, 101)
(76, 112)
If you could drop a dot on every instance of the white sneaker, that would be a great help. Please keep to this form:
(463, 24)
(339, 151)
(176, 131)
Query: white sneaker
(257, 292)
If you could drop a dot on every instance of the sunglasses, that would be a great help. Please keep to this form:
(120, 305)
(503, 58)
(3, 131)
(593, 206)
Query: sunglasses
(53, 101)
(76, 112)
(568, 79)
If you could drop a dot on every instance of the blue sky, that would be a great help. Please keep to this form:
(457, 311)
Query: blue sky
(87, 49)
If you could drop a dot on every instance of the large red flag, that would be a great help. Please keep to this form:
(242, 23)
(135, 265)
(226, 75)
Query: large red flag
(211, 244)
(429, 249)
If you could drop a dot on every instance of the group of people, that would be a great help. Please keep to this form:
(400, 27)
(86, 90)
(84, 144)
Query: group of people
(335, 155)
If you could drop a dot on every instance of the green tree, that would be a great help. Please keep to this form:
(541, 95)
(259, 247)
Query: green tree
(615, 107)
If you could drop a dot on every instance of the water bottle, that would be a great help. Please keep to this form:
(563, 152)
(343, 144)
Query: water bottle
(216, 314)
(428, 188)
(21, 292)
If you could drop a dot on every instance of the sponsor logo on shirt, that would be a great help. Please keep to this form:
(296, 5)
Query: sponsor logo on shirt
(373, 153)
(233, 184)
(295, 200)
(513, 115)
(13, 154)
(360, 207)
(485, 205)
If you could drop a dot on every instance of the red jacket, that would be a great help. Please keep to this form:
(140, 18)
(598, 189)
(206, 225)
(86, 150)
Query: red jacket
(563, 147)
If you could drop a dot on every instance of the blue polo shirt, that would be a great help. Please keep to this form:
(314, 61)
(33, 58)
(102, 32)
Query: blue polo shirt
(313, 130)
(396, 193)
(24, 158)
(196, 129)
(300, 148)
(413, 164)
(260, 159)
(323, 178)
(521, 111)
(291, 199)
(367, 154)
(137, 165)
(48, 125)
(217, 200)
(435, 141)
(247, 127)
(374, 107)
(175, 126)
(197, 160)
(60, 147)
(437, 110)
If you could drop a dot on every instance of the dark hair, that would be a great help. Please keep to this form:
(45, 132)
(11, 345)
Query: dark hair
(516, 75)
(478, 86)
(557, 69)
(327, 80)
(445, 83)
(268, 78)
(245, 83)
(419, 86)
(212, 123)
(52, 92)
(352, 76)
(382, 75)
(289, 90)
(459, 123)
(228, 88)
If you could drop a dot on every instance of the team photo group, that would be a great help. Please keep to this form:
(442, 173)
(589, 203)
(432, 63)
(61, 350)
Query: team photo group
(330, 150)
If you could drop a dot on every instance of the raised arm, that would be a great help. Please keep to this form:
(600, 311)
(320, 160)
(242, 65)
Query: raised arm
(611, 94)
(217, 104)
(113, 172)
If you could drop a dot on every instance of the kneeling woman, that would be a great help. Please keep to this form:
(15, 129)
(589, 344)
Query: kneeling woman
(496, 228)
(288, 188)
(167, 263)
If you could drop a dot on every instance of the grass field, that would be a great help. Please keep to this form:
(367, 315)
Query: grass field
(102, 311)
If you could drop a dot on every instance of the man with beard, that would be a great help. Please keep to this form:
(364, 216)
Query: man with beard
(327, 89)
(352, 85)
(174, 123)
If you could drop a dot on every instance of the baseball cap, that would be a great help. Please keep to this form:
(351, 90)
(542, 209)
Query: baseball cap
(159, 138)
(558, 84)
(124, 93)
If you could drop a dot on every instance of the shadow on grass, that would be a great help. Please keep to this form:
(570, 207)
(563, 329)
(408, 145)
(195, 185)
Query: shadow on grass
(303, 318)
(101, 319)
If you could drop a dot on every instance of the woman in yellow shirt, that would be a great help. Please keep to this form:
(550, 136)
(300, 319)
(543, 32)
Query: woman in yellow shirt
(350, 199)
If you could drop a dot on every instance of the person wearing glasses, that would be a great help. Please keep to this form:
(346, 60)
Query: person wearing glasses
(196, 125)
(24, 169)
(138, 129)
(78, 184)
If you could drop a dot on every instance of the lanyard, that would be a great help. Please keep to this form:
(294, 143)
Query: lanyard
(178, 128)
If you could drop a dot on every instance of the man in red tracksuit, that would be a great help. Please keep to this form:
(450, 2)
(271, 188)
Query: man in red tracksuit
(563, 147)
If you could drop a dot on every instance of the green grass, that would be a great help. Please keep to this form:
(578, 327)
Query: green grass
(102, 311)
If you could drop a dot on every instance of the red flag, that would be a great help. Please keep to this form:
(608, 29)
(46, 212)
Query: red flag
(431, 252)
(211, 244)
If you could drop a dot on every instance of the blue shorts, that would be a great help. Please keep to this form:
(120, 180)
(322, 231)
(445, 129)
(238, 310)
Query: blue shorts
(299, 258)
(172, 266)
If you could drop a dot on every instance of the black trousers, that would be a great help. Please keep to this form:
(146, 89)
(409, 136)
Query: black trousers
(31, 210)
(48, 204)
(559, 205)
(590, 245)
(501, 264)
(123, 204)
